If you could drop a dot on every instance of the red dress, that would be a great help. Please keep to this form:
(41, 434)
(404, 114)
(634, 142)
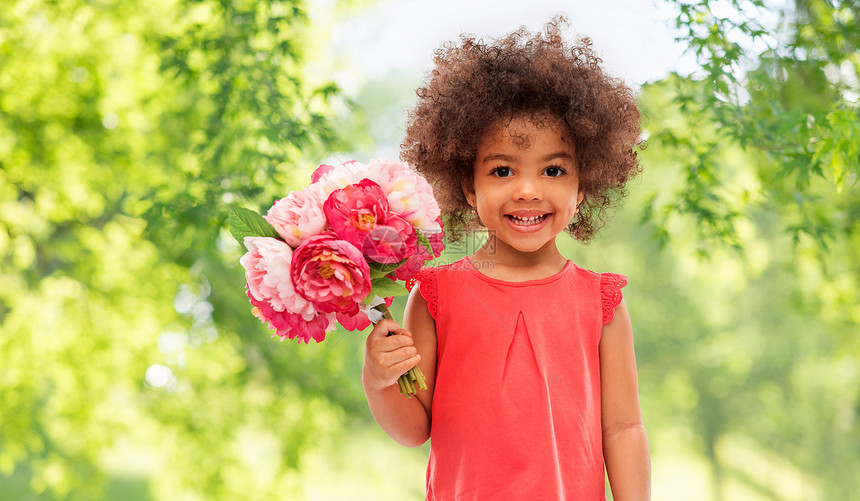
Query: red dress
(516, 408)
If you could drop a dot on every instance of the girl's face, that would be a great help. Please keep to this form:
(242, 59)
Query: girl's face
(526, 183)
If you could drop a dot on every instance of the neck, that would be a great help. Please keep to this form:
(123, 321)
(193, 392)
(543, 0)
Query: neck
(509, 263)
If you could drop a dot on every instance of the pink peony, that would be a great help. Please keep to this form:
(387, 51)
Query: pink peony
(358, 213)
(355, 210)
(421, 256)
(407, 192)
(331, 273)
(357, 322)
(338, 177)
(436, 235)
(320, 171)
(391, 242)
(412, 265)
(267, 269)
(298, 216)
(270, 289)
(291, 325)
(360, 320)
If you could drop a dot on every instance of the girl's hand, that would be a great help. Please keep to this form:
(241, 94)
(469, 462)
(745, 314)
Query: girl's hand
(387, 357)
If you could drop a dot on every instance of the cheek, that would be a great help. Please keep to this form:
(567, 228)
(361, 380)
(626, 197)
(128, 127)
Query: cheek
(479, 193)
(568, 200)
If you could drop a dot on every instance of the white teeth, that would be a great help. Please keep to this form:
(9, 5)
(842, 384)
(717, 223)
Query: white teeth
(528, 221)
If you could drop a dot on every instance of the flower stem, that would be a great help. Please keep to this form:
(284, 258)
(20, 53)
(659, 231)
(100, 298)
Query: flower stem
(413, 380)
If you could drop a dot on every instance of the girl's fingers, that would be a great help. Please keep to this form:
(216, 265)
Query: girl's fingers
(394, 357)
(404, 332)
(380, 341)
(400, 368)
(393, 343)
(390, 352)
(384, 368)
(384, 327)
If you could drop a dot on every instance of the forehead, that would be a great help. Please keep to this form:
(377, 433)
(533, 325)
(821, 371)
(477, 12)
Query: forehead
(522, 132)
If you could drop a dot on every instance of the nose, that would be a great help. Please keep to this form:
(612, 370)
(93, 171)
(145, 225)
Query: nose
(526, 188)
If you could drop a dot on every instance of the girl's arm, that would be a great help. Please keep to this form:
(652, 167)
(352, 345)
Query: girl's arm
(386, 358)
(625, 444)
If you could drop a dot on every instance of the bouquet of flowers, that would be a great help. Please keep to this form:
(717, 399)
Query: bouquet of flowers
(336, 250)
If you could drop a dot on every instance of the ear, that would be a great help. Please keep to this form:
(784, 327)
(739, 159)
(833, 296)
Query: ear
(468, 188)
(580, 196)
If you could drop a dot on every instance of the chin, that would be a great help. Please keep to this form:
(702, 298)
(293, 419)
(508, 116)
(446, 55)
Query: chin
(529, 247)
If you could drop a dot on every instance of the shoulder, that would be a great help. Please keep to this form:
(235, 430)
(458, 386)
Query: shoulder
(606, 280)
(420, 307)
(610, 294)
(427, 290)
(609, 286)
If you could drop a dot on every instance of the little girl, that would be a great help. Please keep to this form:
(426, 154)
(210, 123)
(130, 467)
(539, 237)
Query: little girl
(529, 358)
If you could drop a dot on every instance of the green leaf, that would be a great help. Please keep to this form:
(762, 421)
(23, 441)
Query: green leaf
(247, 223)
(423, 240)
(385, 287)
(368, 298)
(379, 270)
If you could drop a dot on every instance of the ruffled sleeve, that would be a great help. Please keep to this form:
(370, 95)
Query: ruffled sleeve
(426, 278)
(610, 293)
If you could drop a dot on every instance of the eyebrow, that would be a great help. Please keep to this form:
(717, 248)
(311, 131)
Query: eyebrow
(498, 156)
(508, 158)
(560, 154)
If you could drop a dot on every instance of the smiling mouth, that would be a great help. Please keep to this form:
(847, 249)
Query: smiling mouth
(527, 221)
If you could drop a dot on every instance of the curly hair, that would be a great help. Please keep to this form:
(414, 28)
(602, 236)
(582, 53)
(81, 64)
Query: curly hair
(477, 85)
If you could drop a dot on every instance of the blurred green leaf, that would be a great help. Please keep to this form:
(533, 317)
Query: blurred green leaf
(128, 131)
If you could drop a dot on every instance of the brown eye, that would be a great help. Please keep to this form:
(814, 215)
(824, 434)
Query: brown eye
(554, 171)
(501, 172)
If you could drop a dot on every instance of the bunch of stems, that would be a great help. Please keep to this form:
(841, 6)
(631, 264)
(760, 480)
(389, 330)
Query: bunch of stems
(413, 380)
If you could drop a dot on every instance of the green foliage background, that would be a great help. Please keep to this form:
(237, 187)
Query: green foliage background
(130, 367)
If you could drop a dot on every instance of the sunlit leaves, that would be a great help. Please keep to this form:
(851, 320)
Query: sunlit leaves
(126, 129)
(838, 149)
(758, 153)
(708, 184)
(784, 83)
